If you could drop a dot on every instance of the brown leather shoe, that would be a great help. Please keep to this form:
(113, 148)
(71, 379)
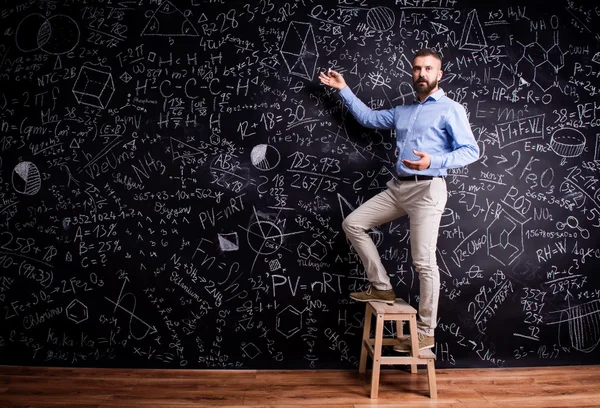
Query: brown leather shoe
(405, 346)
(374, 295)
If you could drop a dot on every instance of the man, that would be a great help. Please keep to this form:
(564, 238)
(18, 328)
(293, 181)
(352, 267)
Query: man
(432, 134)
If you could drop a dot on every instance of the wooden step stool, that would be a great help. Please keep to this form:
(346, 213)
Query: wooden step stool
(400, 311)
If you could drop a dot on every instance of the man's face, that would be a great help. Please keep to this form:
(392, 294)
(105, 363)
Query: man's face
(426, 73)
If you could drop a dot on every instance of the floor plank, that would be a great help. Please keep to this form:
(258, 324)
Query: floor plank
(548, 387)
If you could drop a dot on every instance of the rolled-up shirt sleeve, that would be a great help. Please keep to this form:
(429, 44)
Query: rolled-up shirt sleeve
(374, 119)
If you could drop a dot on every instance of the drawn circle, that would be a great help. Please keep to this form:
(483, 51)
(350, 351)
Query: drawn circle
(567, 142)
(264, 237)
(264, 157)
(33, 32)
(26, 178)
(63, 35)
(380, 18)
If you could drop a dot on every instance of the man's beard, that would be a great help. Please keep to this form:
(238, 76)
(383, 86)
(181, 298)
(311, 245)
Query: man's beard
(425, 90)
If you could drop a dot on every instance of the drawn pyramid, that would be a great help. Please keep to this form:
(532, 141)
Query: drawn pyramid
(181, 149)
(439, 28)
(472, 38)
(168, 20)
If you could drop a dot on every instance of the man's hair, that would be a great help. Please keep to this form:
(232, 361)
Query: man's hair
(424, 52)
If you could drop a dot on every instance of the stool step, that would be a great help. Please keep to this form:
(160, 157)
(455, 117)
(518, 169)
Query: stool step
(399, 307)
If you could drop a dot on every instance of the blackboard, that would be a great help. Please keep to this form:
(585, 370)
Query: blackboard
(174, 178)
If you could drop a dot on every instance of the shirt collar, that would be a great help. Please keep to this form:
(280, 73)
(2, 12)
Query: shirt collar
(434, 96)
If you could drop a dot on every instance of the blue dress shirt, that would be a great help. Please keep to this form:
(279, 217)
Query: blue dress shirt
(437, 126)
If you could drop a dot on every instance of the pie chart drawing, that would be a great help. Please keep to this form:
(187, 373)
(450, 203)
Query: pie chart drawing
(26, 178)
(265, 157)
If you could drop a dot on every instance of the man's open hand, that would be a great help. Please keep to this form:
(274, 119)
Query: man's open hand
(333, 79)
(423, 163)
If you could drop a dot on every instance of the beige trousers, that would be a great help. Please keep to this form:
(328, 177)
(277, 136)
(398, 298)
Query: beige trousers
(423, 201)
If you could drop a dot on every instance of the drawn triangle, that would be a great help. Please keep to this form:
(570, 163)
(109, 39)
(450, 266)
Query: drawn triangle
(177, 147)
(345, 207)
(168, 20)
(74, 144)
(58, 63)
(442, 266)
(202, 18)
(375, 182)
(227, 245)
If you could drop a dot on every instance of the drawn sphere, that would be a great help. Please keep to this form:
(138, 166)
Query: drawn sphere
(381, 18)
(62, 34)
(33, 32)
(26, 178)
(264, 157)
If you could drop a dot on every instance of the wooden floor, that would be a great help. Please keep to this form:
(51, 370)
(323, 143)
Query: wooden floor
(574, 386)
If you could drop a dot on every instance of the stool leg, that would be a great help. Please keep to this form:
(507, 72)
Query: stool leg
(362, 368)
(431, 378)
(377, 356)
(414, 340)
(399, 329)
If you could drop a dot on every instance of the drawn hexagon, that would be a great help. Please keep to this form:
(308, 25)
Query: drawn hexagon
(536, 53)
(544, 76)
(318, 250)
(303, 251)
(289, 321)
(526, 69)
(556, 58)
(505, 238)
(77, 311)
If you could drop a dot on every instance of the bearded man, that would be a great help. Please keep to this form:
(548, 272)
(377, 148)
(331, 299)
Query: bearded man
(432, 134)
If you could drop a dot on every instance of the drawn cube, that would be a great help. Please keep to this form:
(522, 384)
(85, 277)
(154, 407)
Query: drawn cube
(93, 87)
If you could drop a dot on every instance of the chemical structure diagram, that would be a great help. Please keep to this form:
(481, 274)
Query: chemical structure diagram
(540, 65)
